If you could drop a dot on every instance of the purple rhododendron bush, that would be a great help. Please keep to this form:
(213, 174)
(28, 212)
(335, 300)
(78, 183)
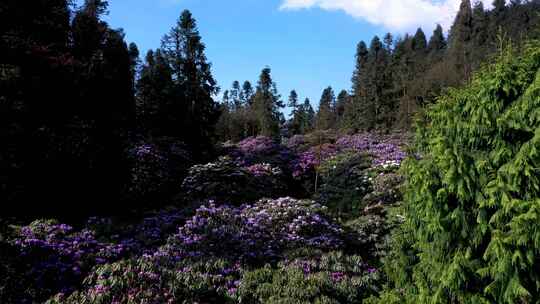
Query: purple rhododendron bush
(238, 231)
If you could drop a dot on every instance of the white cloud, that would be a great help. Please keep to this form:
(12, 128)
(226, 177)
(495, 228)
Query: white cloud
(394, 15)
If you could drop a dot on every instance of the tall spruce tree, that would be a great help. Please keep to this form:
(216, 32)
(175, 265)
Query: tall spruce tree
(266, 105)
(460, 42)
(343, 99)
(353, 116)
(296, 114)
(325, 119)
(307, 117)
(194, 113)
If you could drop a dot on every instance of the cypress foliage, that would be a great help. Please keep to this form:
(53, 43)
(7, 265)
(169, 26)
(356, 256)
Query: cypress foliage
(472, 201)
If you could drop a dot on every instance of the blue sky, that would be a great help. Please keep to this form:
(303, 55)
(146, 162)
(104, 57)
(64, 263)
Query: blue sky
(308, 44)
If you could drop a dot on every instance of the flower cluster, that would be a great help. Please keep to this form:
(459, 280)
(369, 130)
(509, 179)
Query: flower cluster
(58, 257)
(263, 170)
(312, 158)
(385, 149)
(261, 149)
(225, 180)
(330, 278)
(254, 232)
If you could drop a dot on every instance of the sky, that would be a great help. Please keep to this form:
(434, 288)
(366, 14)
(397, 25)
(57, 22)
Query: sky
(308, 44)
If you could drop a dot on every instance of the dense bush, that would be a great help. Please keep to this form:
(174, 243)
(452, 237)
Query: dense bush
(227, 181)
(331, 278)
(345, 181)
(261, 232)
(153, 279)
(261, 149)
(158, 166)
(472, 203)
(204, 261)
(49, 257)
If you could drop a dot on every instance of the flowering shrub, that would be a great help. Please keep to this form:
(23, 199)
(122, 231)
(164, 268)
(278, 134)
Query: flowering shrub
(261, 149)
(54, 257)
(259, 170)
(204, 261)
(150, 280)
(385, 150)
(332, 278)
(346, 179)
(312, 158)
(142, 237)
(158, 165)
(252, 233)
(225, 180)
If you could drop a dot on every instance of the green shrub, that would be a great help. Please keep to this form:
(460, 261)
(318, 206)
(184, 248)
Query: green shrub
(345, 181)
(472, 203)
(333, 278)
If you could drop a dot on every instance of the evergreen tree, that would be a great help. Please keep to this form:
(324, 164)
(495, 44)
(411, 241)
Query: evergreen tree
(266, 105)
(353, 116)
(343, 99)
(437, 42)
(459, 49)
(419, 40)
(308, 117)
(235, 95)
(472, 201)
(134, 61)
(296, 114)
(154, 94)
(499, 6)
(194, 114)
(247, 93)
(325, 116)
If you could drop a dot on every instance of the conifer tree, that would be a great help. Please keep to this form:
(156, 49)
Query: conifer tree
(266, 105)
(307, 117)
(325, 116)
(460, 38)
(353, 116)
(472, 202)
(194, 113)
(343, 99)
(247, 93)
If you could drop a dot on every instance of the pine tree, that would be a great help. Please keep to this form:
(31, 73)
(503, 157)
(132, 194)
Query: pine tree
(499, 6)
(353, 118)
(343, 99)
(308, 117)
(325, 116)
(436, 46)
(235, 95)
(195, 113)
(419, 40)
(247, 93)
(154, 94)
(296, 113)
(266, 105)
(459, 49)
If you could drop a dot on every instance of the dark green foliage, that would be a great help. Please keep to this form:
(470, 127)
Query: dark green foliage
(394, 79)
(331, 278)
(58, 149)
(345, 181)
(226, 182)
(325, 119)
(266, 105)
(143, 279)
(472, 201)
(191, 113)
